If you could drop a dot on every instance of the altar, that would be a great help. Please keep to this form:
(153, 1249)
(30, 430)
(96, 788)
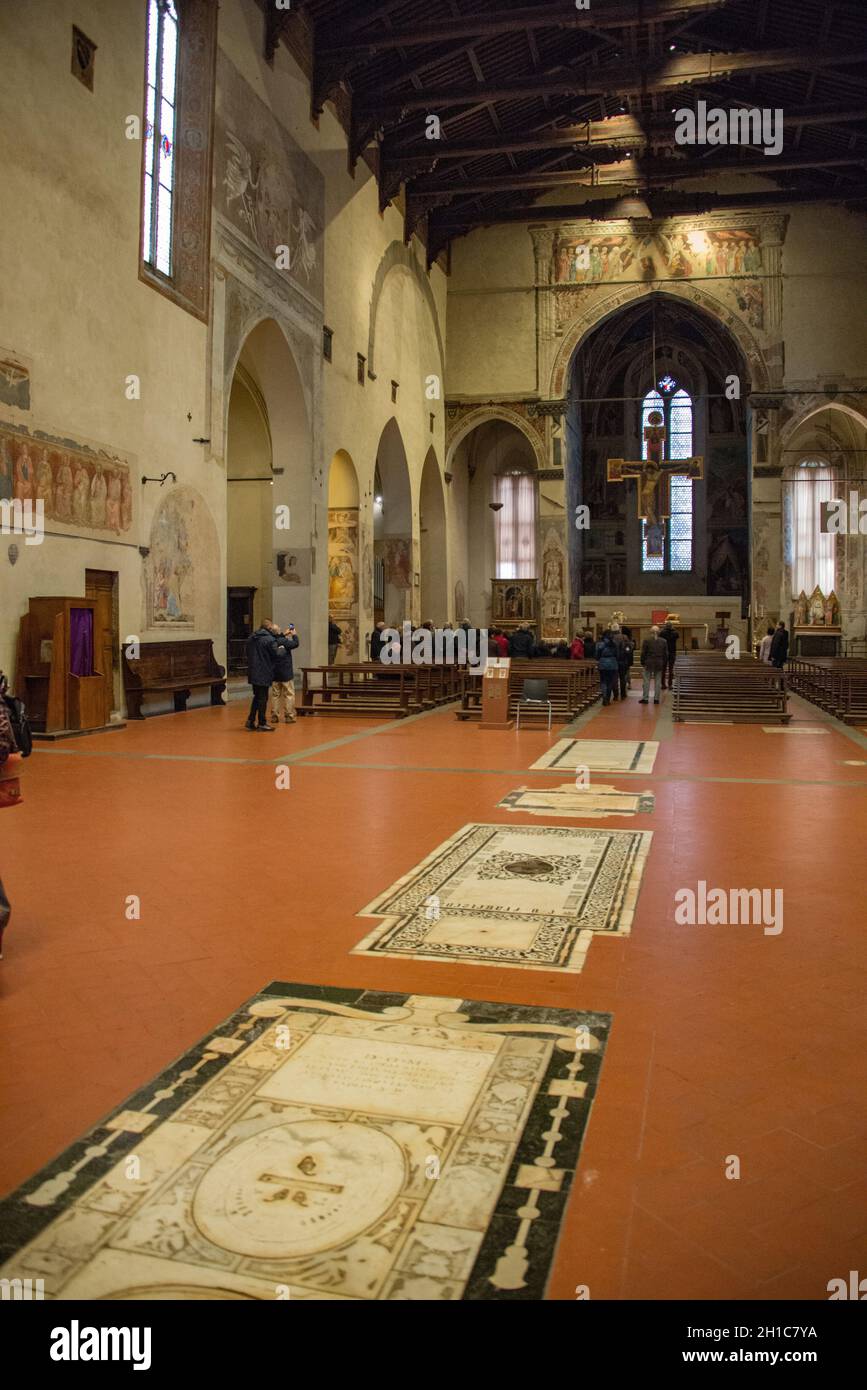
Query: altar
(817, 629)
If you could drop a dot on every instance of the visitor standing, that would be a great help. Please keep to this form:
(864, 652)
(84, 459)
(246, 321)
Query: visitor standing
(654, 658)
(670, 635)
(765, 646)
(262, 651)
(334, 641)
(606, 660)
(779, 646)
(283, 681)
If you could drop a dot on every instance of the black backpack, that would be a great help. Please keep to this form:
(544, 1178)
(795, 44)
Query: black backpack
(20, 724)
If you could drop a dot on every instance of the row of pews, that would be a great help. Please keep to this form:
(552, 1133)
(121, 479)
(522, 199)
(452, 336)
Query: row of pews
(572, 687)
(837, 684)
(713, 687)
(367, 687)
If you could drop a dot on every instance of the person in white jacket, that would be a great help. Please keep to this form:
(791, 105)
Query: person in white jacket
(765, 647)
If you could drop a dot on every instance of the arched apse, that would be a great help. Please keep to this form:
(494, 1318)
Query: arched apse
(620, 301)
(833, 433)
(433, 589)
(266, 405)
(399, 256)
(491, 447)
(344, 568)
(651, 340)
(394, 553)
(249, 477)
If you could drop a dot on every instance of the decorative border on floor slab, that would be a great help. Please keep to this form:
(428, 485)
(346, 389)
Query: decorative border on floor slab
(429, 915)
(599, 755)
(434, 1140)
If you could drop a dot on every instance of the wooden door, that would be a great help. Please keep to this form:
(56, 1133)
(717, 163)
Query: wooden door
(101, 586)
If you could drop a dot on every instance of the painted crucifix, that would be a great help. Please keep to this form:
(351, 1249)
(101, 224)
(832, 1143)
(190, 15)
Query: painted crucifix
(653, 473)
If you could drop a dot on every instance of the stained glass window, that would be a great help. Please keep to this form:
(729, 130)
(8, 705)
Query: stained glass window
(676, 408)
(159, 161)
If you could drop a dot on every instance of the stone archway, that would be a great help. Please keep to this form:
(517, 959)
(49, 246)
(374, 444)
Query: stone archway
(433, 568)
(398, 255)
(481, 416)
(623, 297)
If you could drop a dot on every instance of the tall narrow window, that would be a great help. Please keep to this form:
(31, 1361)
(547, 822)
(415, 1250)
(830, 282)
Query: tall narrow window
(160, 110)
(515, 525)
(675, 405)
(812, 483)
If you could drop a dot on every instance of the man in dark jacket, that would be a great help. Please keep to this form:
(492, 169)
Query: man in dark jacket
(780, 646)
(263, 649)
(335, 637)
(283, 680)
(377, 641)
(606, 660)
(521, 643)
(589, 646)
(670, 635)
(654, 657)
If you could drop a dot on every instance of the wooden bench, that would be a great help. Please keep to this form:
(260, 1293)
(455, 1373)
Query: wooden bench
(572, 687)
(373, 688)
(710, 686)
(172, 668)
(837, 684)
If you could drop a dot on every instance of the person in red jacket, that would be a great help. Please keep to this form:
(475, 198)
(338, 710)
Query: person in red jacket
(576, 651)
(502, 641)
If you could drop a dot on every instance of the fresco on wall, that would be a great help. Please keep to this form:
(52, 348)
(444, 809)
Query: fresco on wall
(14, 384)
(182, 568)
(398, 562)
(343, 576)
(292, 567)
(265, 185)
(657, 255)
(82, 490)
(730, 258)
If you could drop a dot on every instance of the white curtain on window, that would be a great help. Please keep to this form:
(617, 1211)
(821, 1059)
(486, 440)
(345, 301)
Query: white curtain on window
(515, 524)
(813, 553)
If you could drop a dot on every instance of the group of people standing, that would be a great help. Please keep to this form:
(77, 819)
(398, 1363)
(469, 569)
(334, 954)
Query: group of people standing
(271, 673)
(615, 654)
(774, 646)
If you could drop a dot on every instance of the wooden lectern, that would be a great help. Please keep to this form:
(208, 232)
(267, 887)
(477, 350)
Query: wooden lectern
(495, 695)
(56, 675)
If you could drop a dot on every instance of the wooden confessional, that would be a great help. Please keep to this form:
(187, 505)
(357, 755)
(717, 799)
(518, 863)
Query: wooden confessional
(57, 676)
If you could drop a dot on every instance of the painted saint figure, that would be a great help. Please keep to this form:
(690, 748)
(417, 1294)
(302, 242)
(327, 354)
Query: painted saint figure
(63, 491)
(45, 483)
(112, 506)
(81, 495)
(24, 476)
(98, 491)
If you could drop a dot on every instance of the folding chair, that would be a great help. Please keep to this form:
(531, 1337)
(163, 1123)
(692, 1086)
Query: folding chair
(534, 693)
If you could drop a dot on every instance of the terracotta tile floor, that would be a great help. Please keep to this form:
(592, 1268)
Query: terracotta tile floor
(725, 1041)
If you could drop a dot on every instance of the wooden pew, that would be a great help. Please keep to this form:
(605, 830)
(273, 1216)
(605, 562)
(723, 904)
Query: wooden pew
(172, 668)
(572, 687)
(837, 684)
(710, 686)
(373, 688)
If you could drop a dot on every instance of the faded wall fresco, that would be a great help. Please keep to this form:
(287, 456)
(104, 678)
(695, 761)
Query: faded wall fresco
(264, 184)
(84, 491)
(182, 569)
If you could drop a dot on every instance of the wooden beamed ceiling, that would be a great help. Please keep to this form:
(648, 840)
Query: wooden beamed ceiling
(534, 99)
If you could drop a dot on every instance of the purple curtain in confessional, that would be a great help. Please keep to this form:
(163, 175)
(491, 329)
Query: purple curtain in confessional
(81, 641)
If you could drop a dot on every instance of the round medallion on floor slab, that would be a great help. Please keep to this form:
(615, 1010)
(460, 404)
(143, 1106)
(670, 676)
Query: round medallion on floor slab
(297, 1189)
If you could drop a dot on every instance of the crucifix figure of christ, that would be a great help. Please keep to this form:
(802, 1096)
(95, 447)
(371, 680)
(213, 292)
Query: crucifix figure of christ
(654, 472)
